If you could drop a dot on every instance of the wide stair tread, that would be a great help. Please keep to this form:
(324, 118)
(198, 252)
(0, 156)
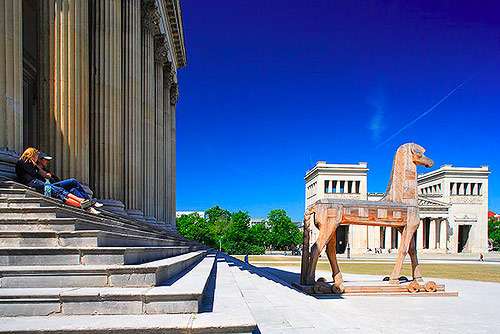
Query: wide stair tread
(140, 275)
(87, 238)
(183, 295)
(228, 312)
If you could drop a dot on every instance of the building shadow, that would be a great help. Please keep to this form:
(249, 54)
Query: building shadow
(283, 277)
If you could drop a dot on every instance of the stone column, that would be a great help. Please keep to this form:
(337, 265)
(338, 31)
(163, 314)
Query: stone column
(131, 101)
(174, 94)
(444, 235)
(150, 19)
(420, 235)
(388, 237)
(161, 160)
(64, 86)
(167, 121)
(106, 174)
(11, 75)
(432, 234)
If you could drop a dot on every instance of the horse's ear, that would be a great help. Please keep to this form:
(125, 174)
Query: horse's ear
(417, 149)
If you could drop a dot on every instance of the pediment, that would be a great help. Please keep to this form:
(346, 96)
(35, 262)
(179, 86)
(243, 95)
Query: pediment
(428, 202)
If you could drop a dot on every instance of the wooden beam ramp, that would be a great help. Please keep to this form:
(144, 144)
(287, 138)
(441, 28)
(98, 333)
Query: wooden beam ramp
(376, 288)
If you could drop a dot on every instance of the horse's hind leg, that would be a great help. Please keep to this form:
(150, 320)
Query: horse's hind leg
(402, 251)
(406, 239)
(331, 251)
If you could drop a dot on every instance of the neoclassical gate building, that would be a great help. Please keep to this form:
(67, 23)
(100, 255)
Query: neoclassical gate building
(94, 84)
(453, 203)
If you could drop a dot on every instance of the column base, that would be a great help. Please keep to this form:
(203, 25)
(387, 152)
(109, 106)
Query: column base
(113, 206)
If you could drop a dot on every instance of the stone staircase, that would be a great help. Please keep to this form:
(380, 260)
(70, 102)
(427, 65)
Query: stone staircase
(63, 270)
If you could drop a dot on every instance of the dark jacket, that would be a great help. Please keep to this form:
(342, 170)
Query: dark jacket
(53, 178)
(26, 172)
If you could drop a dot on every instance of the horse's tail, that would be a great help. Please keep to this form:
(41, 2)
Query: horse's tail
(305, 246)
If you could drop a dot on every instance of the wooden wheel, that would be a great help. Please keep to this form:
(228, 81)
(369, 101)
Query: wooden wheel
(430, 286)
(338, 288)
(319, 287)
(413, 287)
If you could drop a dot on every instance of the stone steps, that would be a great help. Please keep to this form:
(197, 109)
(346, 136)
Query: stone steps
(88, 238)
(12, 189)
(7, 202)
(181, 295)
(141, 275)
(49, 256)
(227, 311)
(78, 224)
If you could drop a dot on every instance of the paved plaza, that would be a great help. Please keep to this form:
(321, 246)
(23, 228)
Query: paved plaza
(279, 308)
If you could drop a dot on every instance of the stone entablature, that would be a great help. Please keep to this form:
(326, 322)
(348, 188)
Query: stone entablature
(453, 203)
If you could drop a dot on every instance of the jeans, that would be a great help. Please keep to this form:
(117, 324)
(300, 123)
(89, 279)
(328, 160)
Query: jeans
(73, 186)
(56, 192)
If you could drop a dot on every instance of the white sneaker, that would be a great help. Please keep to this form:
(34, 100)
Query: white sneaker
(98, 205)
(94, 211)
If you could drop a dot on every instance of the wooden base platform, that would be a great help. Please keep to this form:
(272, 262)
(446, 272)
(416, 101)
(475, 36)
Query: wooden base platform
(376, 288)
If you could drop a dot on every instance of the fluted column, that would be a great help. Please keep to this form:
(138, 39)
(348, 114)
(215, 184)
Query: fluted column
(432, 234)
(132, 115)
(64, 86)
(167, 121)
(11, 75)
(174, 94)
(443, 237)
(106, 99)
(388, 237)
(159, 184)
(420, 235)
(148, 91)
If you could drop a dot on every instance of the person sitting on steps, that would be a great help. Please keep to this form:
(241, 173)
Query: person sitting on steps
(71, 185)
(28, 173)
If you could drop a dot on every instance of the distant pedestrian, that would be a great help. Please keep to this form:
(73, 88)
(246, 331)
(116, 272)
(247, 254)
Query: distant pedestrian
(481, 257)
(246, 258)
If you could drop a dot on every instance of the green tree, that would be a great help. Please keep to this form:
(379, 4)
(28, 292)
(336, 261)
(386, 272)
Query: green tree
(259, 235)
(494, 230)
(283, 232)
(195, 227)
(238, 236)
(219, 221)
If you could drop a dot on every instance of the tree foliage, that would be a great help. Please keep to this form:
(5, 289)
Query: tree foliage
(284, 233)
(494, 230)
(235, 233)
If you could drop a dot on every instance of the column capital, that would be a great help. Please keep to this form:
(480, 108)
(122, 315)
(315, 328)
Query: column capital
(150, 16)
(161, 49)
(174, 94)
(169, 74)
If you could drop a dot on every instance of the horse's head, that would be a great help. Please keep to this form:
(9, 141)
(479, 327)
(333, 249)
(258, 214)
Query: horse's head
(418, 156)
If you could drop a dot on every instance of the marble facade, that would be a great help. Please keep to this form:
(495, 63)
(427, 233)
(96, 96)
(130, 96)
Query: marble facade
(94, 84)
(453, 203)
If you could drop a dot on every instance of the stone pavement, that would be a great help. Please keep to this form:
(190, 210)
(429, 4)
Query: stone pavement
(279, 308)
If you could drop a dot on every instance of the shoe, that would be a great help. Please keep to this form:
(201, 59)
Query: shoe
(94, 211)
(98, 205)
(88, 203)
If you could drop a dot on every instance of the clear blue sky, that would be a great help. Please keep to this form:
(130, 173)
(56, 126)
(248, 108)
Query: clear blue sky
(272, 86)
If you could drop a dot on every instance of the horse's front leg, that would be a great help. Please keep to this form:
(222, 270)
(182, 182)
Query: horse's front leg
(327, 222)
(331, 252)
(412, 228)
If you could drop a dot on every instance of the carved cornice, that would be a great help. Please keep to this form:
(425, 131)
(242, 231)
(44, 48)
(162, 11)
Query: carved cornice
(161, 49)
(150, 16)
(177, 31)
(174, 94)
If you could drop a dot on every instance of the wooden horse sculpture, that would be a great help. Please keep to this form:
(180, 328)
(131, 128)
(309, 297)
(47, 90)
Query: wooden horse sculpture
(398, 208)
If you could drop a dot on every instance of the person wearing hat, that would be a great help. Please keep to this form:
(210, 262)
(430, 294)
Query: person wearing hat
(71, 185)
(30, 174)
